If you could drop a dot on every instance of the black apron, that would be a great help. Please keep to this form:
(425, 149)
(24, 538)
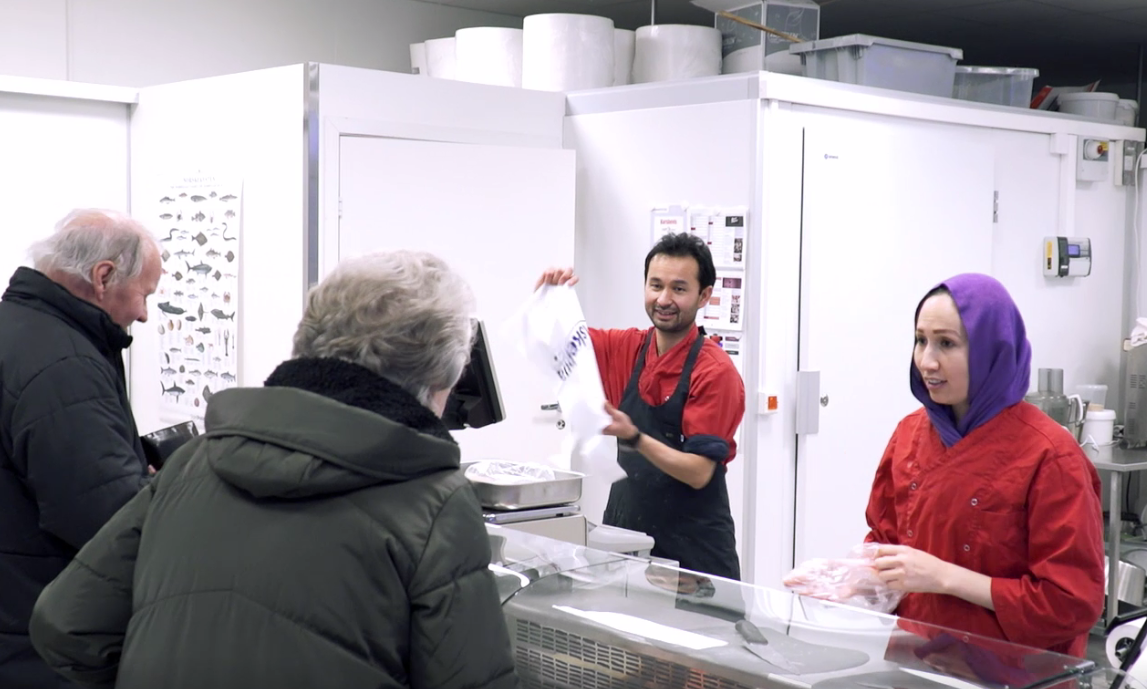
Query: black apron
(693, 527)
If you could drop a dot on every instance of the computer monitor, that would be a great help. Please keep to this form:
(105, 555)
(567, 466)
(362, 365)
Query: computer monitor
(161, 444)
(474, 402)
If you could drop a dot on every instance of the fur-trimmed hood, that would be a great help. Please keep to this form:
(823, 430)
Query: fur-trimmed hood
(323, 426)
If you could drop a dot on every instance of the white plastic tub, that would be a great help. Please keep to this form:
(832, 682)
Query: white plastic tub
(1097, 105)
(997, 85)
(1099, 427)
(881, 62)
(1127, 112)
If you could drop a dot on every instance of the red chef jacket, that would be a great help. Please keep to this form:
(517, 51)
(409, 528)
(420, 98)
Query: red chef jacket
(716, 393)
(1016, 500)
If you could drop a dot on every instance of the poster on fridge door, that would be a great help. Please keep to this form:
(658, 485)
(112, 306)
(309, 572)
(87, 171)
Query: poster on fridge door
(724, 310)
(197, 302)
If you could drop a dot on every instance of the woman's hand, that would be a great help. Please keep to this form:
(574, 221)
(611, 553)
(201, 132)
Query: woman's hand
(906, 569)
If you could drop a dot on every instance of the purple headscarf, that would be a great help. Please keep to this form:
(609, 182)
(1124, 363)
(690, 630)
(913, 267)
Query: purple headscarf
(999, 356)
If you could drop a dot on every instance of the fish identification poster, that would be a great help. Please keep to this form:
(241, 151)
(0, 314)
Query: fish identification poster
(196, 308)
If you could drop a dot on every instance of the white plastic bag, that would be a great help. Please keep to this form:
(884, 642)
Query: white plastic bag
(851, 580)
(1139, 332)
(552, 334)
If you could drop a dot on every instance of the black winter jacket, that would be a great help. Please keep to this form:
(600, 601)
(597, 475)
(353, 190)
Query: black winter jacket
(70, 455)
(317, 535)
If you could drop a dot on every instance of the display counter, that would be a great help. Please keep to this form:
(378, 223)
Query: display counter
(579, 617)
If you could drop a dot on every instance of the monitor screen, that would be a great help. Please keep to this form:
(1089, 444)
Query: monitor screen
(161, 444)
(474, 402)
(1073, 250)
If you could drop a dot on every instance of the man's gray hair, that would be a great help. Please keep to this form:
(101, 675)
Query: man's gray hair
(404, 315)
(87, 236)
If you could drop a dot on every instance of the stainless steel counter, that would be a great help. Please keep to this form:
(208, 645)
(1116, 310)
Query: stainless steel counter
(1119, 461)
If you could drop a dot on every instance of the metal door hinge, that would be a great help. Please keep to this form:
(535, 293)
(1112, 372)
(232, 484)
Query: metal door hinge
(995, 206)
(340, 209)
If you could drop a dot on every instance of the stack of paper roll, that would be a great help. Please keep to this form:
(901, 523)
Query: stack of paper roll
(570, 52)
(567, 52)
(1123, 635)
(622, 57)
(418, 58)
(668, 52)
(752, 58)
(441, 59)
(489, 55)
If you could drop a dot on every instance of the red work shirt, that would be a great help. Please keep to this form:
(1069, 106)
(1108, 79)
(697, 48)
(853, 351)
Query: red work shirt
(716, 401)
(1016, 500)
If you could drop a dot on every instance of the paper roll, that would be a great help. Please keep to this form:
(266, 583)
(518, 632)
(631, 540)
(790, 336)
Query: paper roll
(667, 52)
(441, 60)
(622, 57)
(418, 58)
(753, 60)
(489, 55)
(567, 52)
(1123, 635)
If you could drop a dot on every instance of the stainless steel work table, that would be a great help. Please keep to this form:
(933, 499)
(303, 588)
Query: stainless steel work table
(1119, 461)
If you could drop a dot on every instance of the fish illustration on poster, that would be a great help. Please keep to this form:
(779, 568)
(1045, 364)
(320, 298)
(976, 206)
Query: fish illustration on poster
(196, 306)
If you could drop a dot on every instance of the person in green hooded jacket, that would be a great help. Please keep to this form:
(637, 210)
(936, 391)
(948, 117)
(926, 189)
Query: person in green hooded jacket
(319, 534)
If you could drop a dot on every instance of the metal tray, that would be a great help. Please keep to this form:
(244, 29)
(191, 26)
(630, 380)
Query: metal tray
(563, 490)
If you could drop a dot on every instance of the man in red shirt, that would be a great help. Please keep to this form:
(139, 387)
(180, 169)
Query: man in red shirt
(676, 401)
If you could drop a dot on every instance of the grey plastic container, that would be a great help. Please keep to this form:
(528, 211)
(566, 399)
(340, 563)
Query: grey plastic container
(881, 62)
(997, 85)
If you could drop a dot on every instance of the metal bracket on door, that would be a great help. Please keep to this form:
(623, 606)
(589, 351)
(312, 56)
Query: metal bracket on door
(809, 402)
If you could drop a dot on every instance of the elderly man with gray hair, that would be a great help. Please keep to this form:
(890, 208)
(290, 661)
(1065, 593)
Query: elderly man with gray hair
(70, 455)
(321, 532)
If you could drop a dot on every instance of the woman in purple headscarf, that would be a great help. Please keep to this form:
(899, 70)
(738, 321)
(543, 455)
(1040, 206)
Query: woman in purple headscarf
(990, 509)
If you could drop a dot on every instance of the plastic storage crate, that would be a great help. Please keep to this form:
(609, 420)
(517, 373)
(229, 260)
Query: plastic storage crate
(881, 62)
(997, 85)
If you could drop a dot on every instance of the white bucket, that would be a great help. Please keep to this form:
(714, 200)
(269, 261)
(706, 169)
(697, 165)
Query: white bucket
(1100, 106)
(1099, 427)
(1127, 112)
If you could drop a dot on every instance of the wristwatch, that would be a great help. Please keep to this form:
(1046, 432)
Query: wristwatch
(631, 443)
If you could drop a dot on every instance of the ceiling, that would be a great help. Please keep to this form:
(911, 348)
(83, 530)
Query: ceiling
(1069, 41)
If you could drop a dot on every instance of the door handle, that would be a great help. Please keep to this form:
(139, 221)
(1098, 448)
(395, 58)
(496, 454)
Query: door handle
(809, 402)
(551, 407)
